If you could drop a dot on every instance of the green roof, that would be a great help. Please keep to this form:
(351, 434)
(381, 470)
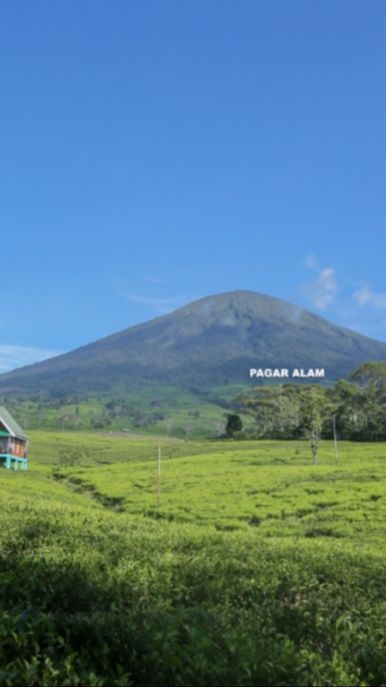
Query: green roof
(11, 425)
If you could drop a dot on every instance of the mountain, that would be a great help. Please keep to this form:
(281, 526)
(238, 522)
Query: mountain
(212, 341)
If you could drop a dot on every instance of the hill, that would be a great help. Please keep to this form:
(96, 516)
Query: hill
(210, 342)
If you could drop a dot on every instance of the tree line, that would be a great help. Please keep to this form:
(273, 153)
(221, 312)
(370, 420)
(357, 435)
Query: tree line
(356, 408)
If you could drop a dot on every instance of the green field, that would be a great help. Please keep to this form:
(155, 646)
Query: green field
(255, 567)
(164, 410)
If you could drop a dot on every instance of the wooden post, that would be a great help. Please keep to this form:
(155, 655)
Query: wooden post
(159, 477)
(335, 439)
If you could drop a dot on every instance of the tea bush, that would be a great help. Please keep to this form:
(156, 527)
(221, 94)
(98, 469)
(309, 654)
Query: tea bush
(99, 597)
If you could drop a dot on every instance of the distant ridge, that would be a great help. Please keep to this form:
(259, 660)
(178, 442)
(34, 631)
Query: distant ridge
(211, 341)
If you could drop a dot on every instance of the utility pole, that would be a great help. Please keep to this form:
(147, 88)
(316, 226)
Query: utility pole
(159, 476)
(335, 438)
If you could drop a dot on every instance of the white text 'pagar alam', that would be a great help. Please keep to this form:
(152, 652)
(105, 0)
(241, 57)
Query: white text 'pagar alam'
(285, 373)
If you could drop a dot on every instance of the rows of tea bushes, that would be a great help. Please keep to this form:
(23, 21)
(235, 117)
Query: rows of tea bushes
(270, 486)
(94, 597)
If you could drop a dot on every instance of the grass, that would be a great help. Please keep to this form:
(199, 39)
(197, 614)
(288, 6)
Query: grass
(162, 410)
(267, 485)
(257, 568)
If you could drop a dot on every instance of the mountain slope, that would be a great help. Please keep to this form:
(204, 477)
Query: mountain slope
(214, 340)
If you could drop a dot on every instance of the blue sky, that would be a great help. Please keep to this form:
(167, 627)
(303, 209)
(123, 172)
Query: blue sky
(156, 152)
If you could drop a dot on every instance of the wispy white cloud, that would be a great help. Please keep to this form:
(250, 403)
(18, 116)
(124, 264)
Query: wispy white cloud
(159, 305)
(320, 291)
(12, 357)
(366, 297)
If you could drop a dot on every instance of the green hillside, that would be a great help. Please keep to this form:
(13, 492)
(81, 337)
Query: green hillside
(161, 410)
(212, 342)
(256, 567)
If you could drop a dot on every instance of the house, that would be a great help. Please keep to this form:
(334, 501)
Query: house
(13, 442)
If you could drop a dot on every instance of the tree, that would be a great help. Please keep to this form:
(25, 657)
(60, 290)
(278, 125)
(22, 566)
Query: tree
(370, 373)
(315, 407)
(290, 411)
(233, 424)
(361, 404)
(275, 410)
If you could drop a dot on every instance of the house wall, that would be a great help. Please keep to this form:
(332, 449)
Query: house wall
(12, 445)
(18, 448)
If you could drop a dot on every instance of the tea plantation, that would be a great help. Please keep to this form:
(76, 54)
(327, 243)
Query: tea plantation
(246, 564)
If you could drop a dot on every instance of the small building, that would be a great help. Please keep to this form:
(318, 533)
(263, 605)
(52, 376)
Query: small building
(13, 442)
